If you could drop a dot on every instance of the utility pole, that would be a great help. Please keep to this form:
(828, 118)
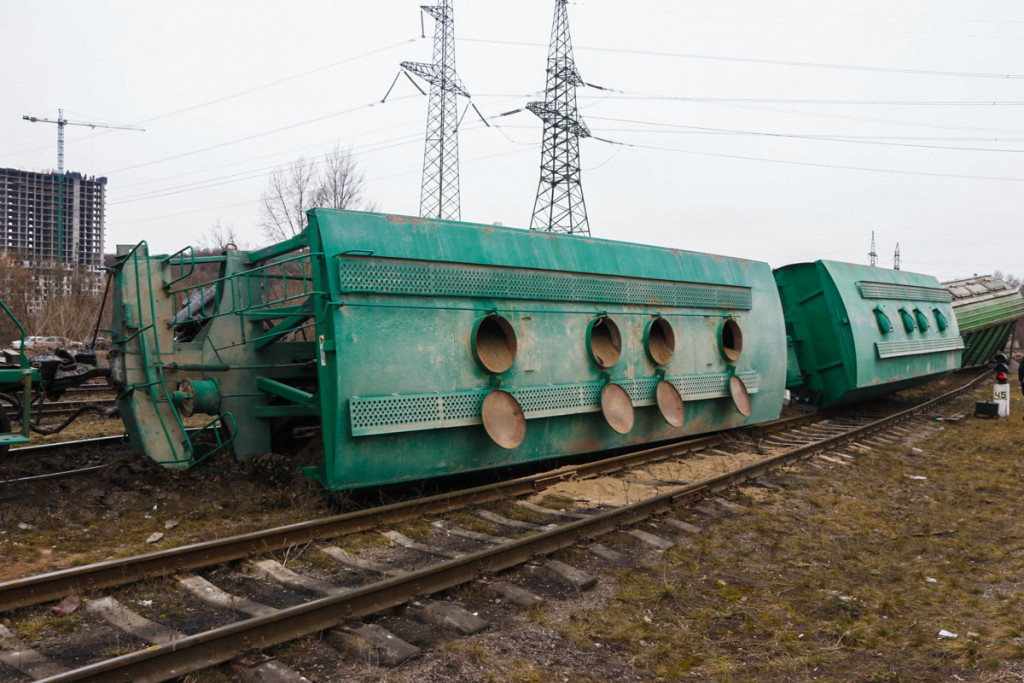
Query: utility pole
(873, 255)
(439, 194)
(61, 122)
(559, 205)
(896, 258)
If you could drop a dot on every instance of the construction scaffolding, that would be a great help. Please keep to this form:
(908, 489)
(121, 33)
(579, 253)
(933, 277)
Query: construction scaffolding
(31, 229)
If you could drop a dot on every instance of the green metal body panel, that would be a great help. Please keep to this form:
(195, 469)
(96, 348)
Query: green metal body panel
(392, 305)
(986, 311)
(149, 360)
(835, 314)
(401, 391)
(22, 379)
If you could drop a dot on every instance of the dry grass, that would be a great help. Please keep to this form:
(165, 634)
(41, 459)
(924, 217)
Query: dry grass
(848, 575)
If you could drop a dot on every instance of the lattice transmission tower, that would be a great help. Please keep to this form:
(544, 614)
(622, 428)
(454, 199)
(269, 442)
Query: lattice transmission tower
(873, 255)
(439, 195)
(896, 258)
(559, 206)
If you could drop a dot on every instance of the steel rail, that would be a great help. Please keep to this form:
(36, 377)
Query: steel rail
(64, 407)
(56, 585)
(191, 653)
(57, 445)
(52, 475)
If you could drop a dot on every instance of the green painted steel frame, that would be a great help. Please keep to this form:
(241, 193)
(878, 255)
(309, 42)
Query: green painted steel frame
(392, 302)
(406, 294)
(232, 346)
(24, 377)
(840, 315)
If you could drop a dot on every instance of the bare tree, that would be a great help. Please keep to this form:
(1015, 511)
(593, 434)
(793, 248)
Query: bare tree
(334, 182)
(341, 183)
(220, 237)
(285, 202)
(1008, 278)
(18, 293)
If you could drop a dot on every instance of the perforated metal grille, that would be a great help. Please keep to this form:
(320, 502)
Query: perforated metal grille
(412, 412)
(884, 290)
(914, 347)
(419, 411)
(693, 387)
(389, 276)
(564, 399)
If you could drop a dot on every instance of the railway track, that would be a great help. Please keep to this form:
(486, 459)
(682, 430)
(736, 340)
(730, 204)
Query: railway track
(359, 585)
(92, 393)
(62, 408)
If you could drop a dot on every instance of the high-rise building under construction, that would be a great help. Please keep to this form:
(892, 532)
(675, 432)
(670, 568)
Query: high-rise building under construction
(38, 230)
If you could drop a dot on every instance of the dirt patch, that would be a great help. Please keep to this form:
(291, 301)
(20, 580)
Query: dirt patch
(111, 512)
(648, 481)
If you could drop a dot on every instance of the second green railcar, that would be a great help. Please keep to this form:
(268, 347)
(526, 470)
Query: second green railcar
(857, 332)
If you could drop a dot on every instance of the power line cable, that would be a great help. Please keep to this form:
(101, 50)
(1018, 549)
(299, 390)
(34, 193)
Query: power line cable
(754, 60)
(266, 171)
(240, 162)
(239, 176)
(248, 202)
(868, 119)
(783, 100)
(799, 136)
(887, 17)
(251, 174)
(814, 164)
(697, 130)
(240, 93)
(291, 151)
(254, 136)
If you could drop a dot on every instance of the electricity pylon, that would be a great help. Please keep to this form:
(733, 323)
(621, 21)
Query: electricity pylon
(439, 195)
(559, 205)
(896, 258)
(61, 122)
(873, 255)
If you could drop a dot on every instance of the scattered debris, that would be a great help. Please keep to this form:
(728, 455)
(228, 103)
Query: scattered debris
(23, 526)
(66, 606)
(170, 524)
(931, 579)
(946, 634)
(145, 603)
(154, 537)
(917, 477)
(942, 532)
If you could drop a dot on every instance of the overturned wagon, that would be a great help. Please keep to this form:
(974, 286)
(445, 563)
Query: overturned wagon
(426, 348)
(857, 332)
(987, 309)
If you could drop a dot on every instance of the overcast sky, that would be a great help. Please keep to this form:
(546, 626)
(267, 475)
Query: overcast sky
(783, 131)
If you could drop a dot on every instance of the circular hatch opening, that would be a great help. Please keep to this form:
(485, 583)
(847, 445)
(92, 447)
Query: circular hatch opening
(659, 340)
(494, 344)
(604, 342)
(730, 339)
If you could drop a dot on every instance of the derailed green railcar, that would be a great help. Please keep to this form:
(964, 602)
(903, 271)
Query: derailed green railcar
(427, 348)
(857, 332)
(987, 309)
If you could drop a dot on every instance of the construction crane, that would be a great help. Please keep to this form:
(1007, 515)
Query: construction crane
(61, 122)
